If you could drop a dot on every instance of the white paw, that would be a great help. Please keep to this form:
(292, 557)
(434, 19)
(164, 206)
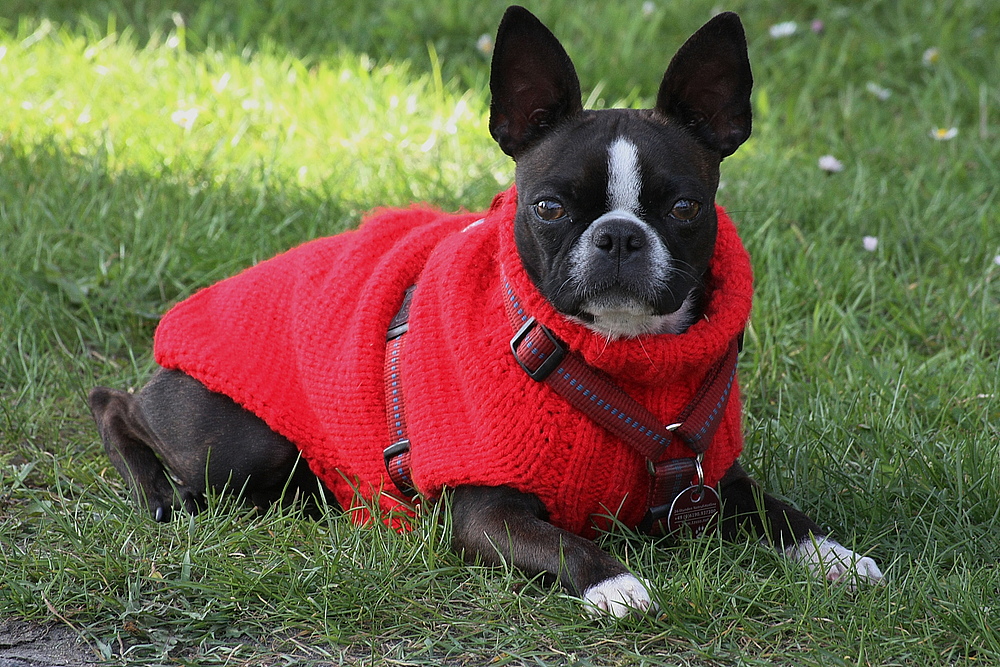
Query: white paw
(826, 558)
(619, 596)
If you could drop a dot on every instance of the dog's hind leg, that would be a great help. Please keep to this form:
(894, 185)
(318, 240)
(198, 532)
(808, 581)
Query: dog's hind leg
(132, 446)
(176, 434)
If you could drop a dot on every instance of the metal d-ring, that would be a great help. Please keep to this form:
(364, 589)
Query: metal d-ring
(701, 477)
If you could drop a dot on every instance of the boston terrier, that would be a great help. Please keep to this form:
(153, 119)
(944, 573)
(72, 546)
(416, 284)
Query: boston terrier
(557, 364)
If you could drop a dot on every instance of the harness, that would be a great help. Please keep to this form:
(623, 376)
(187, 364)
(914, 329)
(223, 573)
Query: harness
(675, 502)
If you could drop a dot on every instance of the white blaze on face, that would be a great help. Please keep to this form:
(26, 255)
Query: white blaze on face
(618, 317)
(624, 178)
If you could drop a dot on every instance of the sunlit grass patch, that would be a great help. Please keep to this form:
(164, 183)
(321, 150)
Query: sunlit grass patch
(356, 130)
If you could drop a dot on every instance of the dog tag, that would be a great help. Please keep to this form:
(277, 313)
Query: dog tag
(693, 510)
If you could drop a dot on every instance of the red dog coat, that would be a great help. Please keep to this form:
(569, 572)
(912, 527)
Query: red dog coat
(299, 340)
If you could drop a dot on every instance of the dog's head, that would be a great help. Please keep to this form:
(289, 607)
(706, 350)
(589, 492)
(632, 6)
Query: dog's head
(616, 216)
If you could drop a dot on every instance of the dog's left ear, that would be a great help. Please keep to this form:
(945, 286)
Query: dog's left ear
(533, 83)
(707, 85)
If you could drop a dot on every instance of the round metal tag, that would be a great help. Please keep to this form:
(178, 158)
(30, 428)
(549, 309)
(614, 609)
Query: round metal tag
(693, 510)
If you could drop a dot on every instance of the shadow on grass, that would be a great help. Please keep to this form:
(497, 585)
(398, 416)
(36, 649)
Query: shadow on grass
(93, 255)
(621, 49)
(306, 28)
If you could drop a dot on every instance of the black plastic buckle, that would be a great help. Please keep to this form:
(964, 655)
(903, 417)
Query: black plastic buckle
(653, 515)
(400, 321)
(550, 363)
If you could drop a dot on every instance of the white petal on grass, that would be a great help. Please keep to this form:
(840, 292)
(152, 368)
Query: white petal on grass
(185, 117)
(878, 91)
(870, 243)
(785, 29)
(485, 44)
(944, 133)
(831, 164)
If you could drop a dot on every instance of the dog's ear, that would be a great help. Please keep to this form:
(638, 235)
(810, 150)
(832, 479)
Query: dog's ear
(532, 81)
(707, 85)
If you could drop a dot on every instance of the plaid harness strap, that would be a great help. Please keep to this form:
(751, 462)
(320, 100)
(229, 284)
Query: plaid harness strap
(397, 454)
(546, 359)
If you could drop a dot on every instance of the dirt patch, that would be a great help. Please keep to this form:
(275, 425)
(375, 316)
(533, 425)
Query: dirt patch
(25, 644)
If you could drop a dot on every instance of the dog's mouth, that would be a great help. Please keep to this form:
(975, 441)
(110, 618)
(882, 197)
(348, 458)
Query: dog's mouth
(618, 313)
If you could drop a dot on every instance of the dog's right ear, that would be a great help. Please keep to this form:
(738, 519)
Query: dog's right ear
(707, 85)
(532, 81)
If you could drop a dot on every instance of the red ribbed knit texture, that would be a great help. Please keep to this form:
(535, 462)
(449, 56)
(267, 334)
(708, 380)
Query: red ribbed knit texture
(300, 341)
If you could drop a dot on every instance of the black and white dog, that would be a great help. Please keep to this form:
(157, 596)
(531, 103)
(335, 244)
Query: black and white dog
(616, 227)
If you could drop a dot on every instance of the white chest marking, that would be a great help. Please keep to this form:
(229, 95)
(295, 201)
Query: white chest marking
(624, 177)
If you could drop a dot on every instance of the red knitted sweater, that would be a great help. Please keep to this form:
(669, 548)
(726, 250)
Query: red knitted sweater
(300, 341)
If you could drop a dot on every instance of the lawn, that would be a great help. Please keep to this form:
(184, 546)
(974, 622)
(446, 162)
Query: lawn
(149, 149)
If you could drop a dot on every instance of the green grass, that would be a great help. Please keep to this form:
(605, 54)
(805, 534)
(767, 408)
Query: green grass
(871, 379)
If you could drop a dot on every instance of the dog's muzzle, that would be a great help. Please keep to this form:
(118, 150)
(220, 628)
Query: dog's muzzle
(619, 264)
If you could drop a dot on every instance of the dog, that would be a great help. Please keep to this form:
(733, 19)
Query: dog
(425, 355)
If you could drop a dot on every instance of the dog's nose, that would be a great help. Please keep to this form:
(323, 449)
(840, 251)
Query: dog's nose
(619, 237)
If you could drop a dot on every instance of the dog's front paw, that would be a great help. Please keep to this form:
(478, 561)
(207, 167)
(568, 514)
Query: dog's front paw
(619, 596)
(828, 559)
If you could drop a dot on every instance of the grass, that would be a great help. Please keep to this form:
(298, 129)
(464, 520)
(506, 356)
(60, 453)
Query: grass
(150, 149)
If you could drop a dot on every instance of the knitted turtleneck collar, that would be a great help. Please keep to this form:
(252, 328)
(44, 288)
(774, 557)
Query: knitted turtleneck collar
(648, 359)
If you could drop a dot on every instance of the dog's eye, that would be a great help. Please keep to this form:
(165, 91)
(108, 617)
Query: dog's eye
(685, 210)
(550, 210)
